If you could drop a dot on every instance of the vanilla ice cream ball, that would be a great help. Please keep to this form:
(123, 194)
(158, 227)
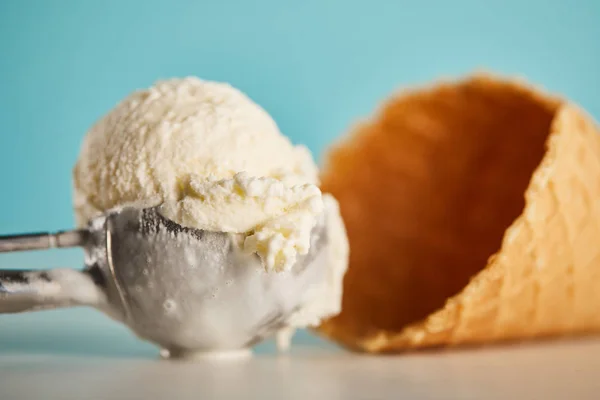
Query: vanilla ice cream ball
(210, 158)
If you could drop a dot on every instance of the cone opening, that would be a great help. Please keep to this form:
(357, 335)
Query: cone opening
(427, 191)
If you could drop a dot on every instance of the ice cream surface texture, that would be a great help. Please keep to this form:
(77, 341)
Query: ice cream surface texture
(211, 159)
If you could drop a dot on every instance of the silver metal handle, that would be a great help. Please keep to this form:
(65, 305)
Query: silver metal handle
(29, 290)
(40, 241)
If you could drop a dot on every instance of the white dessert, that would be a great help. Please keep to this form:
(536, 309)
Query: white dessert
(212, 159)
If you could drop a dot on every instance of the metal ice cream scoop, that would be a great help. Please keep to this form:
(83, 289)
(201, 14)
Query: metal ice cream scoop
(184, 289)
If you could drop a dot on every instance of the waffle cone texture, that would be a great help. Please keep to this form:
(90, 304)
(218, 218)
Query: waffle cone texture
(473, 214)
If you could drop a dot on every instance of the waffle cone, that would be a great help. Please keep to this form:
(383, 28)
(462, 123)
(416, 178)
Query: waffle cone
(473, 217)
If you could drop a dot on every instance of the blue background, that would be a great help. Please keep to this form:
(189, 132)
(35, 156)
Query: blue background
(316, 66)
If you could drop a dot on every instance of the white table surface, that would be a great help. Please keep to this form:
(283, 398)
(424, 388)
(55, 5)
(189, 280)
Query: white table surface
(80, 354)
(557, 370)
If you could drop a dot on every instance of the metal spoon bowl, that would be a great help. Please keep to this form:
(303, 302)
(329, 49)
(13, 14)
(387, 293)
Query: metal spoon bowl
(186, 290)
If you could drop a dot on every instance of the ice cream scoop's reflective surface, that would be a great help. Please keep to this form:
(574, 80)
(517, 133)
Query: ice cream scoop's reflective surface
(189, 291)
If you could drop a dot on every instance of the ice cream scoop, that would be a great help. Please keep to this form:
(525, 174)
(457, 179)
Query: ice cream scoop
(189, 291)
(208, 228)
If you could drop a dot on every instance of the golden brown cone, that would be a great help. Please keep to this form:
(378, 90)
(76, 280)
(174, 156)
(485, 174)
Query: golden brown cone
(473, 217)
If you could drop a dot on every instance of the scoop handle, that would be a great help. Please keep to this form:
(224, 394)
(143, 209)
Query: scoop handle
(30, 290)
(41, 241)
(33, 290)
